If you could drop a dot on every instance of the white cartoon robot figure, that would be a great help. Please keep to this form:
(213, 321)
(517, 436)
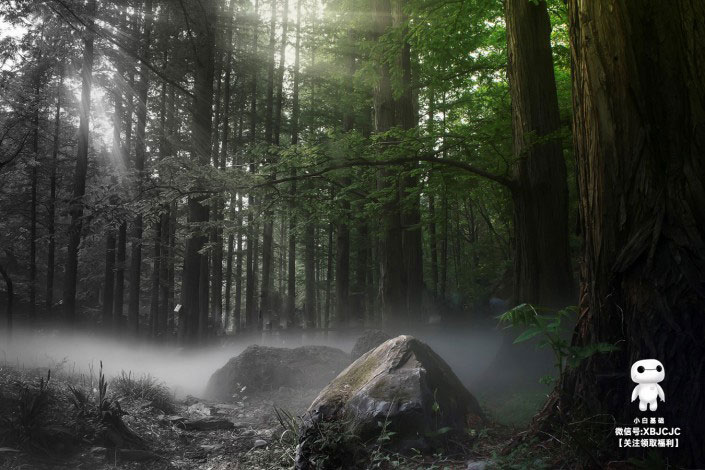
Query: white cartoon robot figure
(647, 373)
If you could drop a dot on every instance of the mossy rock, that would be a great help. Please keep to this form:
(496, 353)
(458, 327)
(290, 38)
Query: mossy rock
(265, 368)
(403, 385)
(367, 341)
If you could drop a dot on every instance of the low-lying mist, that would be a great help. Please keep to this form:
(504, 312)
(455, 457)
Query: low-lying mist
(477, 356)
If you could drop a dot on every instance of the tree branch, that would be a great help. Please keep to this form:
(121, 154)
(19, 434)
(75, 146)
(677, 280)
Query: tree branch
(110, 39)
(504, 181)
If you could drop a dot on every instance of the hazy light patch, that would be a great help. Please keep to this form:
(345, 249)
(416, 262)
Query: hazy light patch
(469, 352)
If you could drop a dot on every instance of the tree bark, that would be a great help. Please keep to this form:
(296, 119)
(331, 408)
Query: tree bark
(295, 115)
(33, 199)
(51, 219)
(195, 276)
(252, 235)
(109, 281)
(638, 125)
(329, 277)
(392, 282)
(409, 197)
(133, 308)
(154, 311)
(79, 183)
(542, 268)
(268, 231)
(10, 298)
(310, 275)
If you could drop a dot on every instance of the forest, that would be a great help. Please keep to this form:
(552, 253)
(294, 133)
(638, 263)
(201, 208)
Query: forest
(222, 221)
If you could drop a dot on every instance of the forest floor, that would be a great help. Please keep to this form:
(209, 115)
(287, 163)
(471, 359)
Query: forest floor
(55, 426)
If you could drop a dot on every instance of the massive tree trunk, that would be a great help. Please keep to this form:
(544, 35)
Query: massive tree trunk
(542, 271)
(409, 197)
(195, 263)
(391, 279)
(79, 181)
(133, 308)
(639, 136)
(342, 245)
(51, 218)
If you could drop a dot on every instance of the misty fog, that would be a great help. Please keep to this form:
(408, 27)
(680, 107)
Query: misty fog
(471, 352)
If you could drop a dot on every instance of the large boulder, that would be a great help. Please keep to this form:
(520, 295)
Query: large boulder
(265, 368)
(369, 340)
(402, 387)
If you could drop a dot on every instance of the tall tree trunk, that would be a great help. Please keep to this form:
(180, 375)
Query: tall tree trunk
(432, 227)
(280, 73)
(154, 311)
(217, 268)
(392, 291)
(295, 115)
(310, 275)
(433, 242)
(120, 265)
(133, 308)
(361, 280)
(342, 253)
(237, 315)
(160, 288)
(195, 264)
(542, 270)
(329, 277)
(163, 275)
(229, 322)
(51, 218)
(268, 229)
(443, 261)
(33, 197)
(10, 299)
(109, 281)
(171, 260)
(252, 235)
(121, 256)
(409, 194)
(79, 181)
(641, 176)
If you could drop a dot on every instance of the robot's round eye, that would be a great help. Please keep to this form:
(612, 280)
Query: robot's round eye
(640, 369)
(659, 368)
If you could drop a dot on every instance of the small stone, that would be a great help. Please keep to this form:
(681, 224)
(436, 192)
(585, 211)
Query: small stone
(260, 443)
(477, 465)
(172, 419)
(207, 423)
(201, 409)
(211, 447)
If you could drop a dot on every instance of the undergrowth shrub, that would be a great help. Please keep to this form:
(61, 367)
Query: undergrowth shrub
(144, 388)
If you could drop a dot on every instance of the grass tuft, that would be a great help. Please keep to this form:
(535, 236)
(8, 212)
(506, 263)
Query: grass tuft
(144, 388)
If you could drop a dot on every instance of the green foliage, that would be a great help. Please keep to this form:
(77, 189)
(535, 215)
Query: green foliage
(291, 425)
(335, 445)
(550, 326)
(26, 426)
(524, 456)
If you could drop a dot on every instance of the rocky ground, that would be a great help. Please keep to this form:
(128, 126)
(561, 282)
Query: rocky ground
(70, 420)
(245, 433)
